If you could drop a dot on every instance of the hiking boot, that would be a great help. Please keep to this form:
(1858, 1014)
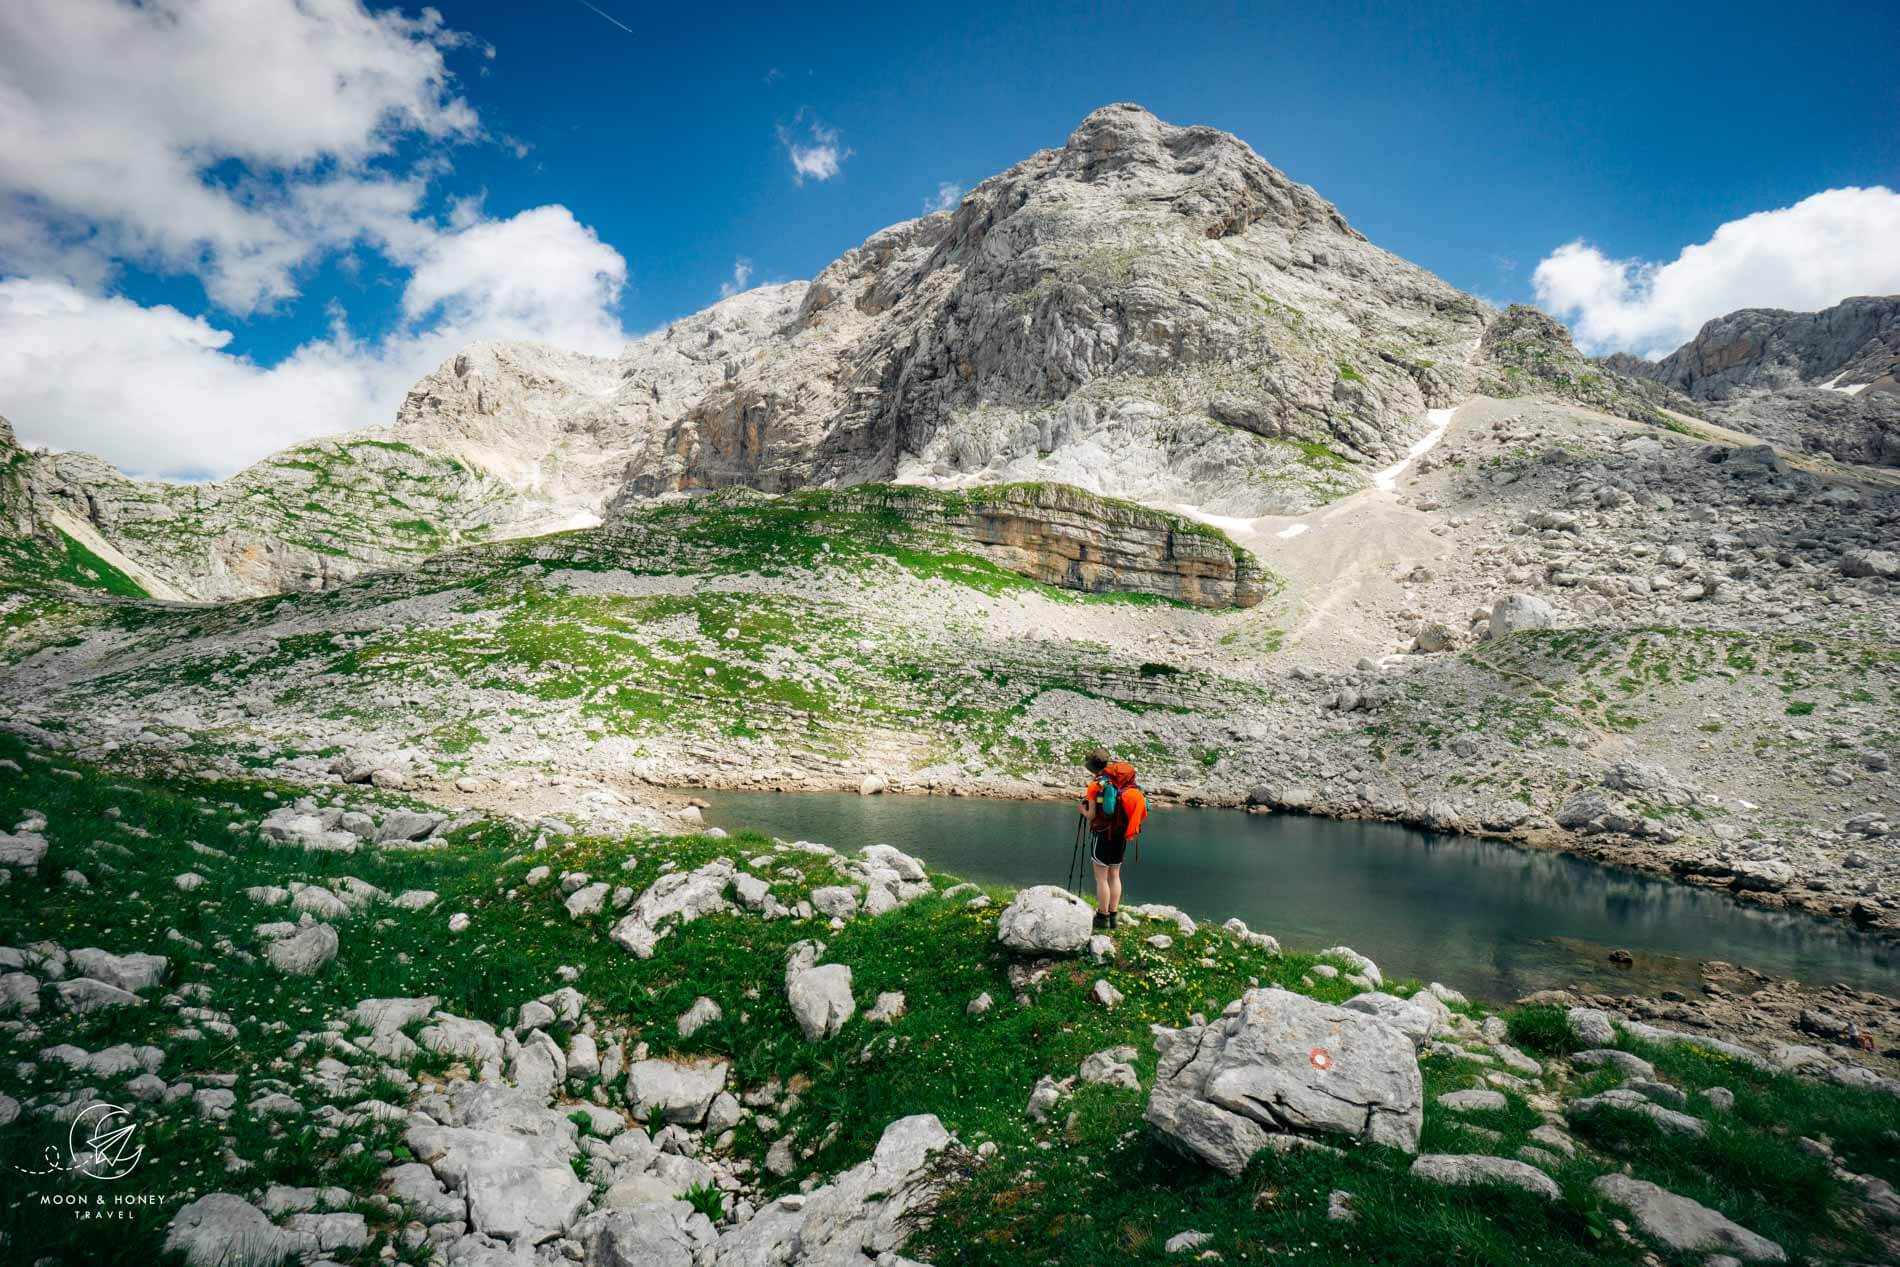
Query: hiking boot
(1101, 920)
(1113, 920)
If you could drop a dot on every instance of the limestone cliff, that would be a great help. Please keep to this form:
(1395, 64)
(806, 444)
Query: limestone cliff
(1824, 382)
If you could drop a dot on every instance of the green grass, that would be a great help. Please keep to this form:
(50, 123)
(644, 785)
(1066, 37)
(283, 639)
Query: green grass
(1541, 1030)
(62, 561)
(1092, 1186)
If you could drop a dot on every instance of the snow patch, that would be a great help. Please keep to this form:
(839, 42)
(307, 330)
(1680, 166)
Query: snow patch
(580, 519)
(1387, 481)
(1854, 390)
(1291, 530)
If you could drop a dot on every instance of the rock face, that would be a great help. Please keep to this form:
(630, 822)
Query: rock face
(1825, 381)
(1145, 311)
(1856, 343)
(507, 1154)
(1047, 920)
(1277, 1062)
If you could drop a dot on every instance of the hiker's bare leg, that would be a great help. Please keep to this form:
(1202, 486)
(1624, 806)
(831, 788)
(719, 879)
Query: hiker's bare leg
(1113, 886)
(1102, 895)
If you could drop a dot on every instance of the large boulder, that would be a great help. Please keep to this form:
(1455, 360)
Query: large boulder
(1686, 1226)
(1515, 613)
(1044, 919)
(304, 951)
(1276, 1062)
(820, 994)
(1592, 1026)
(1882, 563)
(674, 1090)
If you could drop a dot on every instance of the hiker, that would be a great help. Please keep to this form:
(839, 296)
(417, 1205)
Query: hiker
(1115, 809)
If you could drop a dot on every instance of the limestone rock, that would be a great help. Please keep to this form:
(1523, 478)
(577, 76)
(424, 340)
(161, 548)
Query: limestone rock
(678, 897)
(303, 952)
(1475, 1169)
(1279, 1062)
(224, 1230)
(1684, 1225)
(1420, 1018)
(865, 1212)
(820, 994)
(1515, 613)
(1044, 919)
(674, 1091)
(132, 972)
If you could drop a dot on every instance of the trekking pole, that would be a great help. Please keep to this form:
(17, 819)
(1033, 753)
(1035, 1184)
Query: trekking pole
(1075, 859)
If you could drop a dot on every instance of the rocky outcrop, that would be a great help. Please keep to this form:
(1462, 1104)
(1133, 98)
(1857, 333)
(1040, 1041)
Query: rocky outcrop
(1064, 536)
(1525, 353)
(1044, 919)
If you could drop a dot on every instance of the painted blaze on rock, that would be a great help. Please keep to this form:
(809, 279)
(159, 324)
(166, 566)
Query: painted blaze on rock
(1276, 1062)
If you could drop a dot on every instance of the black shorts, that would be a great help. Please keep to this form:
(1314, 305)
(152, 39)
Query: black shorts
(1108, 848)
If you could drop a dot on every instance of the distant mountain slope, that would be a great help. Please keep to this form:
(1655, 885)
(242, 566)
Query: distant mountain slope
(1825, 381)
(1854, 344)
(1149, 312)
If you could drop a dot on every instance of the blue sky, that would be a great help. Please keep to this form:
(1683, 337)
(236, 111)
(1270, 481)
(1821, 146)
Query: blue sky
(1474, 139)
(1470, 138)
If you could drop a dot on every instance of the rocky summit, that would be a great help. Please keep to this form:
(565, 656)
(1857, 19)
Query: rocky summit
(353, 858)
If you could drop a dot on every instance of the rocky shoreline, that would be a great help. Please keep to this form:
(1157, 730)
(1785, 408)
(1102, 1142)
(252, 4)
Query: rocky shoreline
(1630, 853)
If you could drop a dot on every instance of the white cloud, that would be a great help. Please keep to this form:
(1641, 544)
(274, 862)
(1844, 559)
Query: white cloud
(822, 159)
(741, 278)
(231, 139)
(1823, 249)
(542, 273)
(156, 392)
(949, 194)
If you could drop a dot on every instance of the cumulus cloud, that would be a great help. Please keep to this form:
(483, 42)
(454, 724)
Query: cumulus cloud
(740, 279)
(231, 139)
(240, 141)
(949, 194)
(820, 159)
(158, 393)
(1823, 249)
